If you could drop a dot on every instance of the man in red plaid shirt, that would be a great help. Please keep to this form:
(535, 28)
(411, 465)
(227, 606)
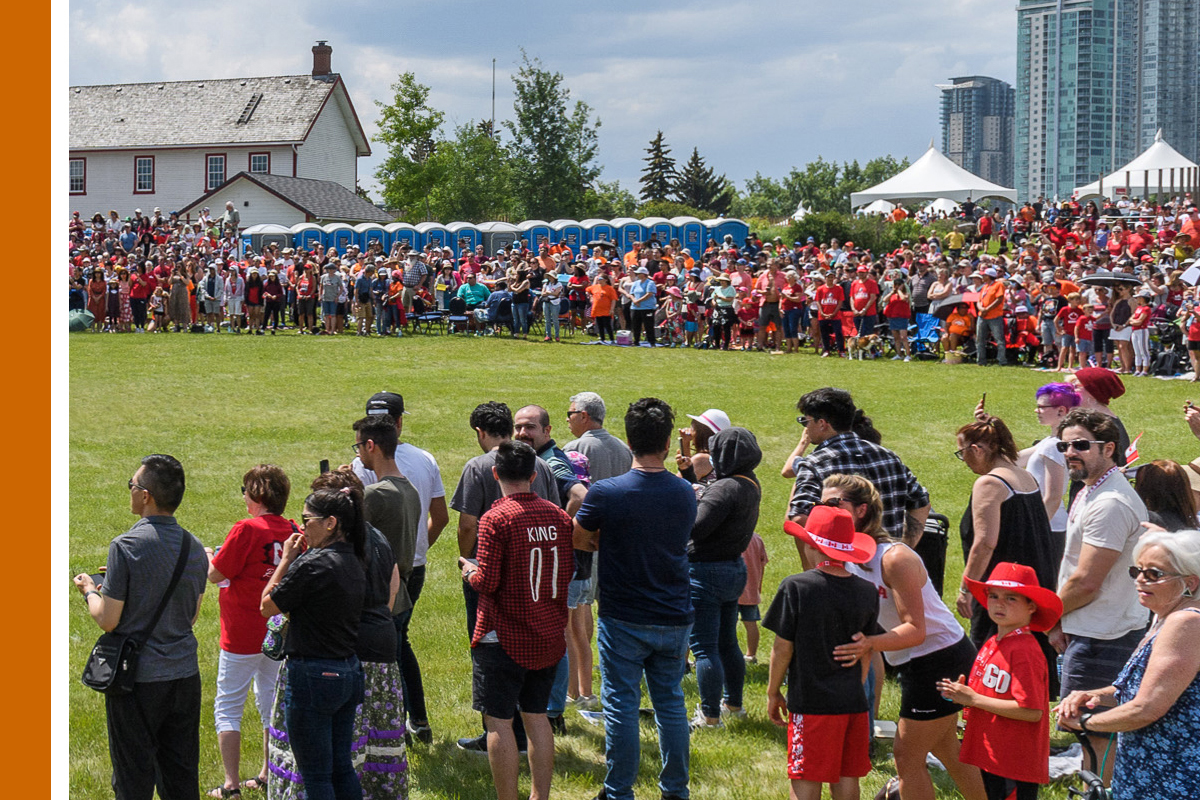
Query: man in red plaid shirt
(525, 562)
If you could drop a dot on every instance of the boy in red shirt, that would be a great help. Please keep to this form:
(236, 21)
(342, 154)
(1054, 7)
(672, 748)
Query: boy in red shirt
(1007, 696)
(1084, 336)
(829, 299)
(525, 563)
(1064, 324)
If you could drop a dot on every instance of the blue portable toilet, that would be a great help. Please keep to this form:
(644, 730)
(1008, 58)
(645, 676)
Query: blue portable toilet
(598, 230)
(719, 228)
(495, 236)
(535, 232)
(307, 234)
(401, 233)
(660, 228)
(339, 236)
(568, 232)
(463, 236)
(629, 231)
(433, 233)
(690, 233)
(367, 232)
(256, 237)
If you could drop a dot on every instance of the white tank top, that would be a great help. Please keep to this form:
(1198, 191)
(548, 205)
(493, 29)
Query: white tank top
(941, 627)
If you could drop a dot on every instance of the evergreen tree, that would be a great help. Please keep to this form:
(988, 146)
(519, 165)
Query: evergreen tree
(658, 178)
(699, 187)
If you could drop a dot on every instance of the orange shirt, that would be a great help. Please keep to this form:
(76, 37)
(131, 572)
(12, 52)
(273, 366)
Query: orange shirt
(992, 293)
(960, 324)
(603, 297)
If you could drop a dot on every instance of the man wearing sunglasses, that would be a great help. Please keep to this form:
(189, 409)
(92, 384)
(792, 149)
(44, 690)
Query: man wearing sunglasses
(1102, 621)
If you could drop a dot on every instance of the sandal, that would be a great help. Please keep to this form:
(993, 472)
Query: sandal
(255, 784)
(221, 793)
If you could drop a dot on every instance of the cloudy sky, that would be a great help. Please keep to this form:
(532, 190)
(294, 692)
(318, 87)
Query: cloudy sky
(756, 86)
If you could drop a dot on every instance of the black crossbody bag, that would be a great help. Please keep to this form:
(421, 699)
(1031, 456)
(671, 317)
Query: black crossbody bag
(112, 666)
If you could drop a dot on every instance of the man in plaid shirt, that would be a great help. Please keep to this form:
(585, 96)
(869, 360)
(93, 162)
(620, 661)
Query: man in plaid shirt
(525, 562)
(828, 415)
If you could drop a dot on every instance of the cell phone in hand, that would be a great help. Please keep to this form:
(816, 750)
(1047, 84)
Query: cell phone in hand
(323, 467)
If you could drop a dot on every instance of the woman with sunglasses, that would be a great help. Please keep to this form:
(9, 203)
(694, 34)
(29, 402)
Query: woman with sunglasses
(1046, 464)
(922, 640)
(1154, 704)
(320, 583)
(241, 567)
(1005, 520)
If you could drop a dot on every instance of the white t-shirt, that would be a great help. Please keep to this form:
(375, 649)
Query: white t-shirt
(1110, 517)
(1043, 452)
(421, 469)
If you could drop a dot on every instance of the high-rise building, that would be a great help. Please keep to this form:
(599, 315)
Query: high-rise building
(1095, 80)
(977, 126)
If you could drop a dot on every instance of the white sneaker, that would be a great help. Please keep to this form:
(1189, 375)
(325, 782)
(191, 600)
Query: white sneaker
(908, 358)
(729, 713)
(700, 721)
(895, 358)
(587, 703)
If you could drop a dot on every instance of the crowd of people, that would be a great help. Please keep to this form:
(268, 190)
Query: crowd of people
(1065, 288)
(1063, 556)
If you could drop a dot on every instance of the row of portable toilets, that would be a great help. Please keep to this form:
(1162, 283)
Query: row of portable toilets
(692, 233)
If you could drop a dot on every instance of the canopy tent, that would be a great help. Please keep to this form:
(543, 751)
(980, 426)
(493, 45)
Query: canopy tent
(942, 205)
(878, 207)
(1160, 169)
(932, 176)
(801, 212)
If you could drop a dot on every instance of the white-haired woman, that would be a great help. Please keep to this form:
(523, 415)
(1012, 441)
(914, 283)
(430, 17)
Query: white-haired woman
(1154, 705)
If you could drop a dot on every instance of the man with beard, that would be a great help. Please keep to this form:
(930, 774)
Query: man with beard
(1102, 621)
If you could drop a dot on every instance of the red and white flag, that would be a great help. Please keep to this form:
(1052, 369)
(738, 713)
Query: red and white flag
(1131, 454)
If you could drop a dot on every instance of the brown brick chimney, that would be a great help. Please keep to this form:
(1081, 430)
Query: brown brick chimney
(322, 57)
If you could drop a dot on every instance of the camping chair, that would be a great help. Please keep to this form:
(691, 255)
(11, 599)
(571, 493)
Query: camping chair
(458, 315)
(925, 337)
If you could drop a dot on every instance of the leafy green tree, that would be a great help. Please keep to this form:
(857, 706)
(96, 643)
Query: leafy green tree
(658, 178)
(699, 187)
(553, 150)
(476, 178)
(763, 197)
(608, 200)
(409, 128)
(668, 209)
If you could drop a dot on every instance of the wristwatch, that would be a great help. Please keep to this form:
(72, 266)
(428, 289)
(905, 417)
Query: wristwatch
(1083, 721)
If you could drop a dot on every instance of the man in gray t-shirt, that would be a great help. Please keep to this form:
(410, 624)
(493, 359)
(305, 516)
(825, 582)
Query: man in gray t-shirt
(155, 729)
(607, 455)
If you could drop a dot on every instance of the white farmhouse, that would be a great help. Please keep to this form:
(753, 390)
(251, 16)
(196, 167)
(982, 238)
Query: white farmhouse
(174, 144)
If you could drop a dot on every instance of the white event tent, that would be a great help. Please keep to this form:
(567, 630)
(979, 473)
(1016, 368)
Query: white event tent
(932, 177)
(1160, 169)
(878, 207)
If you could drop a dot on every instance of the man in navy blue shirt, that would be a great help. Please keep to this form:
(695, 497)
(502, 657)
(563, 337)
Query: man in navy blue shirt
(639, 524)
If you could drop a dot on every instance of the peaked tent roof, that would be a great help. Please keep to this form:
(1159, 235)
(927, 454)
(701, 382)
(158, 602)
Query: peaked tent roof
(237, 111)
(1143, 172)
(932, 176)
(327, 201)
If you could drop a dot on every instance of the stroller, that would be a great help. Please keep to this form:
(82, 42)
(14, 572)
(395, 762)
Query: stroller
(1168, 349)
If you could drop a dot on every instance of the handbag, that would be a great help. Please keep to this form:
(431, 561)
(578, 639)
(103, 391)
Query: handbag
(112, 666)
(277, 629)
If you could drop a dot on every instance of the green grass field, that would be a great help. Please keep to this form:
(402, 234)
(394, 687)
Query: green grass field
(222, 404)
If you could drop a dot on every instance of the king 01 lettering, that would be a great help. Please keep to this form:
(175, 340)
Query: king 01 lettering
(536, 560)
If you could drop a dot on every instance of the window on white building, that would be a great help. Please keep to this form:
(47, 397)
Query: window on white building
(143, 175)
(260, 163)
(214, 171)
(78, 173)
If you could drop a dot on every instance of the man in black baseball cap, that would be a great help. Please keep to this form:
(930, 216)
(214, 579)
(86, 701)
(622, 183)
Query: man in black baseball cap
(386, 403)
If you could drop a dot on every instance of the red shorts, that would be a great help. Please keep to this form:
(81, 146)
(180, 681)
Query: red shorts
(824, 748)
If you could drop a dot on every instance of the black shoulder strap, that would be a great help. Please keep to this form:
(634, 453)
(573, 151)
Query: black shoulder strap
(184, 551)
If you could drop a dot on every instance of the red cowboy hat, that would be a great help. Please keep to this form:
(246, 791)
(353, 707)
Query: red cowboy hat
(831, 530)
(1022, 580)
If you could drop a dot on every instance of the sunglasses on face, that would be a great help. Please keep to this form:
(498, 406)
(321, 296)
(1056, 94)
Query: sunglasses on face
(1078, 445)
(1151, 574)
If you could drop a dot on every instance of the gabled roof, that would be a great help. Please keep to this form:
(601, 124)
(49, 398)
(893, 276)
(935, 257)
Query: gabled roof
(278, 110)
(328, 201)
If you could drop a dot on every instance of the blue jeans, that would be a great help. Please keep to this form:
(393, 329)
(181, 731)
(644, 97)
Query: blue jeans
(866, 324)
(627, 652)
(558, 692)
(716, 587)
(791, 323)
(996, 328)
(382, 317)
(551, 310)
(520, 318)
(322, 696)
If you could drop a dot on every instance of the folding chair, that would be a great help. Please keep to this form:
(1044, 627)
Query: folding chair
(457, 315)
(925, 338)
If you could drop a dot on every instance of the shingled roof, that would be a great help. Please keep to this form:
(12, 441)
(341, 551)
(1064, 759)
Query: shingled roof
(327, 201)
(278, 109)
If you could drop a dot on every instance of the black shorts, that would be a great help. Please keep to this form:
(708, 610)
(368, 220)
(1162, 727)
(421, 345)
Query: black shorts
(1193, 345)
(500, 686)
(919, 698)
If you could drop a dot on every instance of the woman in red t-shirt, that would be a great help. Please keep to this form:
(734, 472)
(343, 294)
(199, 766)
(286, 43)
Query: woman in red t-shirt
(898, 310)
(241, 566)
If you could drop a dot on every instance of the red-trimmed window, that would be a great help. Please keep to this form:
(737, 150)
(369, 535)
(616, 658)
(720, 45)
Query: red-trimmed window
(214, 171)
(143, 174)
(260, 163)
(78, 174)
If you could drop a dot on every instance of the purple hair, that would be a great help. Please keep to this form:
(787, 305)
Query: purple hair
(1059, 394)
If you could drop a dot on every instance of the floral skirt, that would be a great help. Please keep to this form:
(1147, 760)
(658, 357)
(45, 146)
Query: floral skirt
(378, 751)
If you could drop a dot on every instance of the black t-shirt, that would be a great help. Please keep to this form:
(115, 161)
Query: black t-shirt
(376, 631)
(817, 612)
(537, 276)
(322, 593)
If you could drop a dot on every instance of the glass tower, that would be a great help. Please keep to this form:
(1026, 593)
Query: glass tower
(977, 126)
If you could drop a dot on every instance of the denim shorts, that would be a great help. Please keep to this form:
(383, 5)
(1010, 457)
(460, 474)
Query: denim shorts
(581, 593)
(329, 308)
(749, 613)
(1066, 340)
(897, 324)
(1093, 663)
